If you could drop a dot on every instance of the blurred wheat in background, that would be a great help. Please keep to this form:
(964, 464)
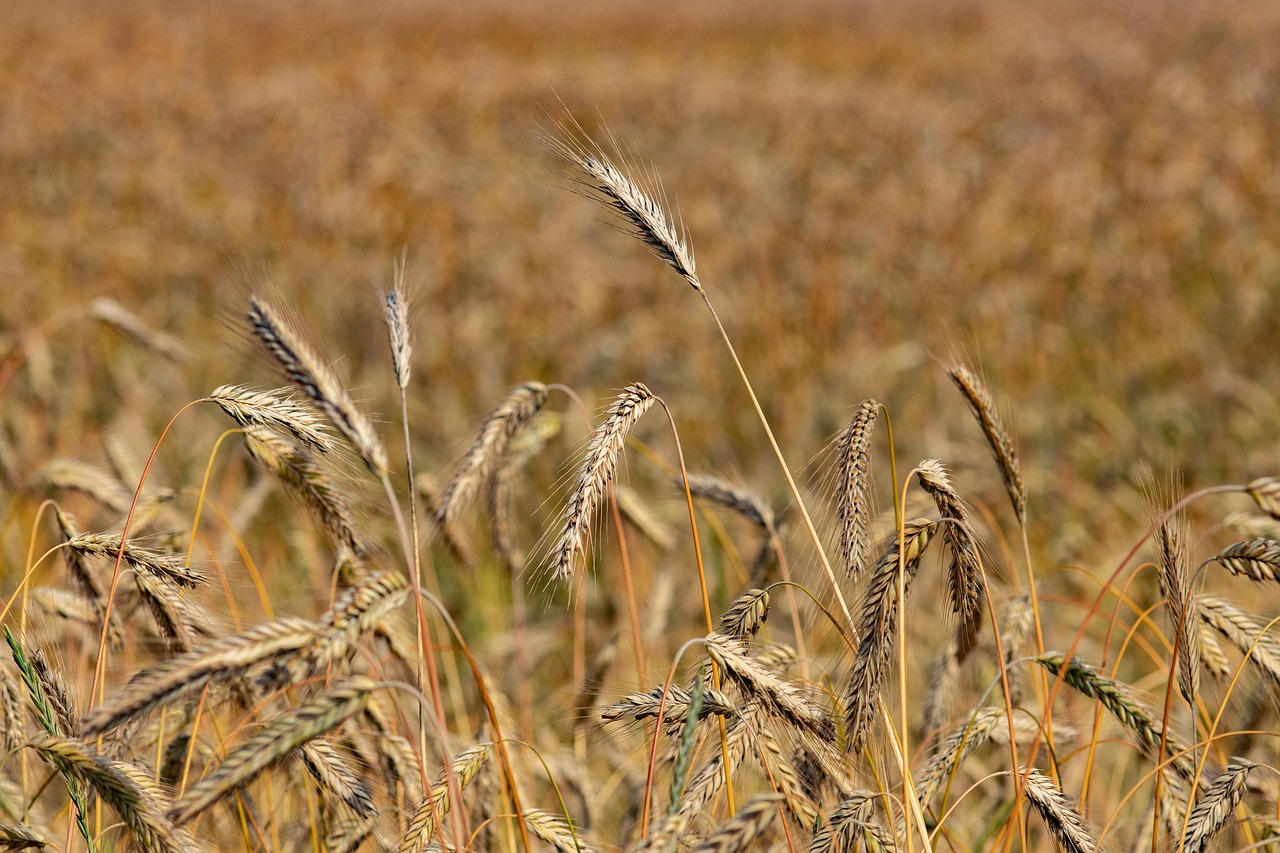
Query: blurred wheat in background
(363, 490)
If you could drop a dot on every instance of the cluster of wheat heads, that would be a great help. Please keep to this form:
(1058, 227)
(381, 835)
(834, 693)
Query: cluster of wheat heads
(379, 722)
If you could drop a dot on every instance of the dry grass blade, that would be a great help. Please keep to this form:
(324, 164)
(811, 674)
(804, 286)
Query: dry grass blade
(486, 454)
(1059, 813)
(595, 474)
(741, 831)
(878, 626)
(853, 489)
(732, 497)
(298, 469)
(1257, 559)
(639, 208)
(1216, 805)
(275, 409)
(141, 808)
(1117, 699)
(758, 684)
(1265, 492)
(122, 320)
(1245, 633)
(220, 659)
(983, 408)
(964, 578)
(277, 739)
(436, 804)
(314, 378)
(746, 615)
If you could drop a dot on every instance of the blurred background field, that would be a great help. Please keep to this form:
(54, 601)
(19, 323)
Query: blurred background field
(1080, 199)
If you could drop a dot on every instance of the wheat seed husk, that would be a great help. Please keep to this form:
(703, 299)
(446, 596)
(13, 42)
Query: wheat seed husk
(636, 204)
(594, 476)
(1246, 633)
(435, 806)
(314, 378)
(277, 739)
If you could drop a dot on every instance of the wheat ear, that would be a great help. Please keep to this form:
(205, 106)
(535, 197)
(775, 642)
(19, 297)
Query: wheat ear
(273, 742)
(1059, 813)
(1265, 492)
(275, 409)
(984, 410)
(878, 626)
(741, 831)
(853, 489)
(594, 475)
(486, 454)
(1245, 633)
(314, 378)
(1216, 805)
(1257, 559)
(1175, 584)
(964, 579)
(466, 764)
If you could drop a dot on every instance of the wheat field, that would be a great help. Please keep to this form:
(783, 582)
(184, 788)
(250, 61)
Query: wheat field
(911, 482)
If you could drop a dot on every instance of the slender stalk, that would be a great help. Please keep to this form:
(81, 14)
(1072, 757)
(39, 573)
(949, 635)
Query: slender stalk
(777, 451)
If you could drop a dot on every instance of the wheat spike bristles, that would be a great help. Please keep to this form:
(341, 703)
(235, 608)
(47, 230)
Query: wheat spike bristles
(314, 378)
(1175, 584)
(984, 410)
(273, 742)
(138, 807)
(169, 567)
(853, 489)
(1245, 633)
(1059, 813)
(596, 472)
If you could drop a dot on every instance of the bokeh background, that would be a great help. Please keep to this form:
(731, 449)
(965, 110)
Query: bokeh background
(1079, 199)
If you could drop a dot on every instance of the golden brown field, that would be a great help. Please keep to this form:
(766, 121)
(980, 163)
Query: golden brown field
(1078, 201)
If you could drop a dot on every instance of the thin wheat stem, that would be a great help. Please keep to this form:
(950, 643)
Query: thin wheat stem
(786, 470)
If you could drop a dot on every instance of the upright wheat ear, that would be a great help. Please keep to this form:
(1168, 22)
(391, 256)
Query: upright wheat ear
(594, 476)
